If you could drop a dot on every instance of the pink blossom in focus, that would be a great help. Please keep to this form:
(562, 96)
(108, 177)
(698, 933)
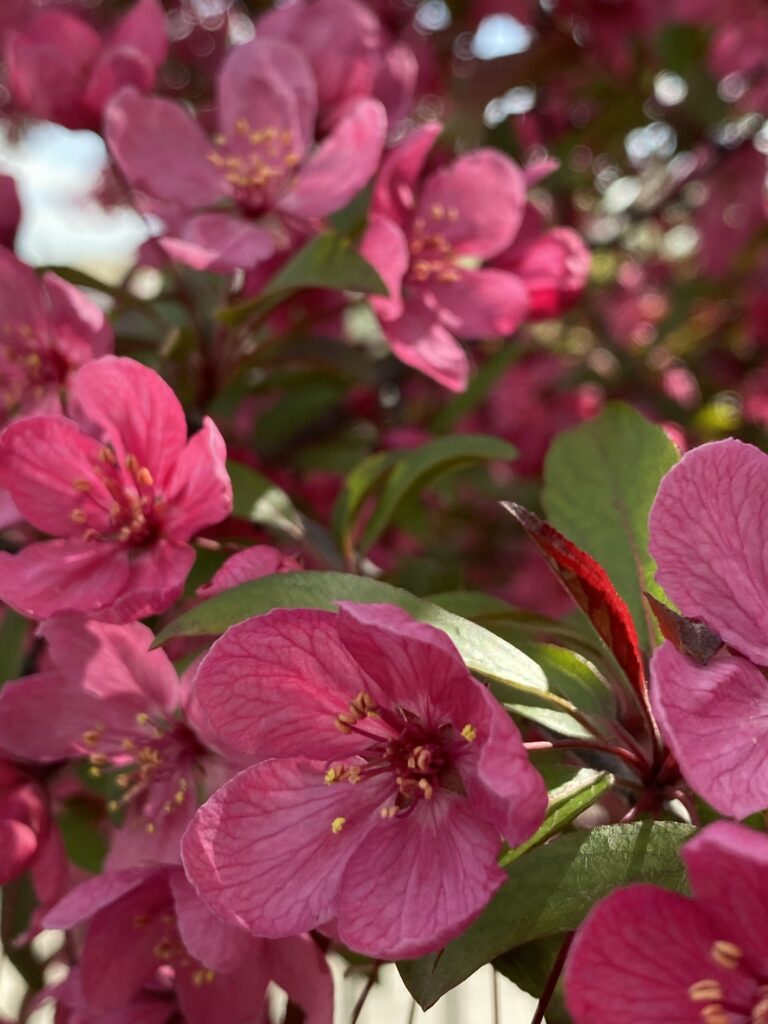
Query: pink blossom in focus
(120, 487)
(650, 956)
(106, 697)
(429, 236)
(708, 537)
(289, 844)
(237, 199)
(149, 934)
(350, 54)
(61, 69)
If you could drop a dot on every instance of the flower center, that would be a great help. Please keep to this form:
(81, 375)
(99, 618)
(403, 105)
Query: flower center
(432, 255)
(131, 506)
(153, 764)
(748, 1006)
(29, 366)
(419, 758)
(256, 163)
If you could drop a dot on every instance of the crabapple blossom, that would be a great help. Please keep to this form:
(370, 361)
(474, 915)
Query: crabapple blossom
(652, 956)
(61, 69)
(234, 200)
(120, 487)
(147, 930)
(391, 776)
(707, 530)
(250, 564)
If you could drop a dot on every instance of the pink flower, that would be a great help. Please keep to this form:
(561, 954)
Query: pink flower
(235, 200)
(105, 696)
(350, 54)
(148, 933)
(120, 487)
(10, 211)
(368, 696)
(61, 69)
(650, 956)
(708, 536)
(428, 236)
(251, 564)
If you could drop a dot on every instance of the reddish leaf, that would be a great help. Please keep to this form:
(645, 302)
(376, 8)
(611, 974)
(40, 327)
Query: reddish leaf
(589, 586)
(692, 637)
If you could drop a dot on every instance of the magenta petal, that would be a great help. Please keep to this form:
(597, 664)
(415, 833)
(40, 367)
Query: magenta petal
(638, 952)
(728, 868)
(237, 997)
(80, 329)
(400, 897)
(138, 412)
(41, 459)
(481, 304)
(262, 850)
(250, 564)
(199, 492)
(162, 151)
(220, 242)
(394, 194)
(273, 686)
(109, 661)
(116, 69)
(385, 247)
(298, 967)
(715, 719)
(709, 536)
(19, 845)
(63, 575)
(216, 943)
(132, 845)
(144, 28)
(341, 165)
(10, 210)
(487, 192)
(156, 578)
(420, 341)
(554, 269)
(89, 897)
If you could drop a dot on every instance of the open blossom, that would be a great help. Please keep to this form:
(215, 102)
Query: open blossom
(234, 200)
(121, 489)
(106, 697)
(244, 566)
(708, 536)
(392, 776)
(61, 69)
(444, 244)
(350, 54)
(648, 956)
(48, 329)
(174, 953)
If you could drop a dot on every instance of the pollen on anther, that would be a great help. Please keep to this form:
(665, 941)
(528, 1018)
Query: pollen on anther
(726, 954)
(469, 732)
(706, 990)
(337, 825)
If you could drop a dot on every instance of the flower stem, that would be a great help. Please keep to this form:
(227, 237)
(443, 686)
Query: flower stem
(554, 975)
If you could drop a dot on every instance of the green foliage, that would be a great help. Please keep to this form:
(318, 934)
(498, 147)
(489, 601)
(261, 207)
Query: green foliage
(600, 481)
(549, 892)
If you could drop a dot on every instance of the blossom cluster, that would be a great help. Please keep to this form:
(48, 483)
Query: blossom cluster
(278, 691)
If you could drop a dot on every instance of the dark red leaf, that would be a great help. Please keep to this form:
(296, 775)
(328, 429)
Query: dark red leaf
(589, 586)
(692, 637)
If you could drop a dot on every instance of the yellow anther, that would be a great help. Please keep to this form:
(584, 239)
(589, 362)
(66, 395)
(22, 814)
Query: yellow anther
(333, 775)
(113, 806)
(242, 126)
(140, 920)
(179, 796)
(78, 516)
(163, 949)
(708, 990)
(32, 359)
(426, 788)
(337, 825)
(452, 214)
(145, 477)
(438, 211)
(131, 463)
(94, 771)
(469, 732)
(715, 1013)
(81, 485)
(344, 722)
(122, 781)
(150, 827)
(98, 759)
(108, 456)
(388, 812)
(142, 718)
(90, 534)
(127, 744)
(91, 737)
(726, 954)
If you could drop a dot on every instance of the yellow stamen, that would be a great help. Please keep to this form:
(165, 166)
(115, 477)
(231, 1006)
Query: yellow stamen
(726, 954)
(337, 825)
(705, 991)
(469, 732)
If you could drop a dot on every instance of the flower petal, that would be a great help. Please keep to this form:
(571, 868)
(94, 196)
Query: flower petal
(262, 850)
(420, 341)
(273, 686)
(394, 194)
(715, 719)
(93, 895)
(250, 564)
(299, 967)
(386, 248)
(219, 242)
(709, 536)
(342, 164)
(215, 943)
(143, 27)
(199, 491)
(156, 577)
(481, 304)
(398, 899)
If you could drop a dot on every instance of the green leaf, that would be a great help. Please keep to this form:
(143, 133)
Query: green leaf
(84, 843)
(14, 630)
(574, 678)
(258, 499)
(600, 480)
(483, 651)
(358, 484)
(550, 890)
(565, 803)
(409, 473)
(326, 261)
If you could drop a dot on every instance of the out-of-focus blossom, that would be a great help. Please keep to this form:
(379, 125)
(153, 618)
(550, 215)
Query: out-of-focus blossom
(61, 69)
(121, 488)
(251, 564)
(235, 200)
(407, 754)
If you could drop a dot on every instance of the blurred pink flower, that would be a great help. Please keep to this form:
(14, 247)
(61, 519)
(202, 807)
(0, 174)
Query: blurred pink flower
(120, 486)
(372, 697)
(60, 68)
